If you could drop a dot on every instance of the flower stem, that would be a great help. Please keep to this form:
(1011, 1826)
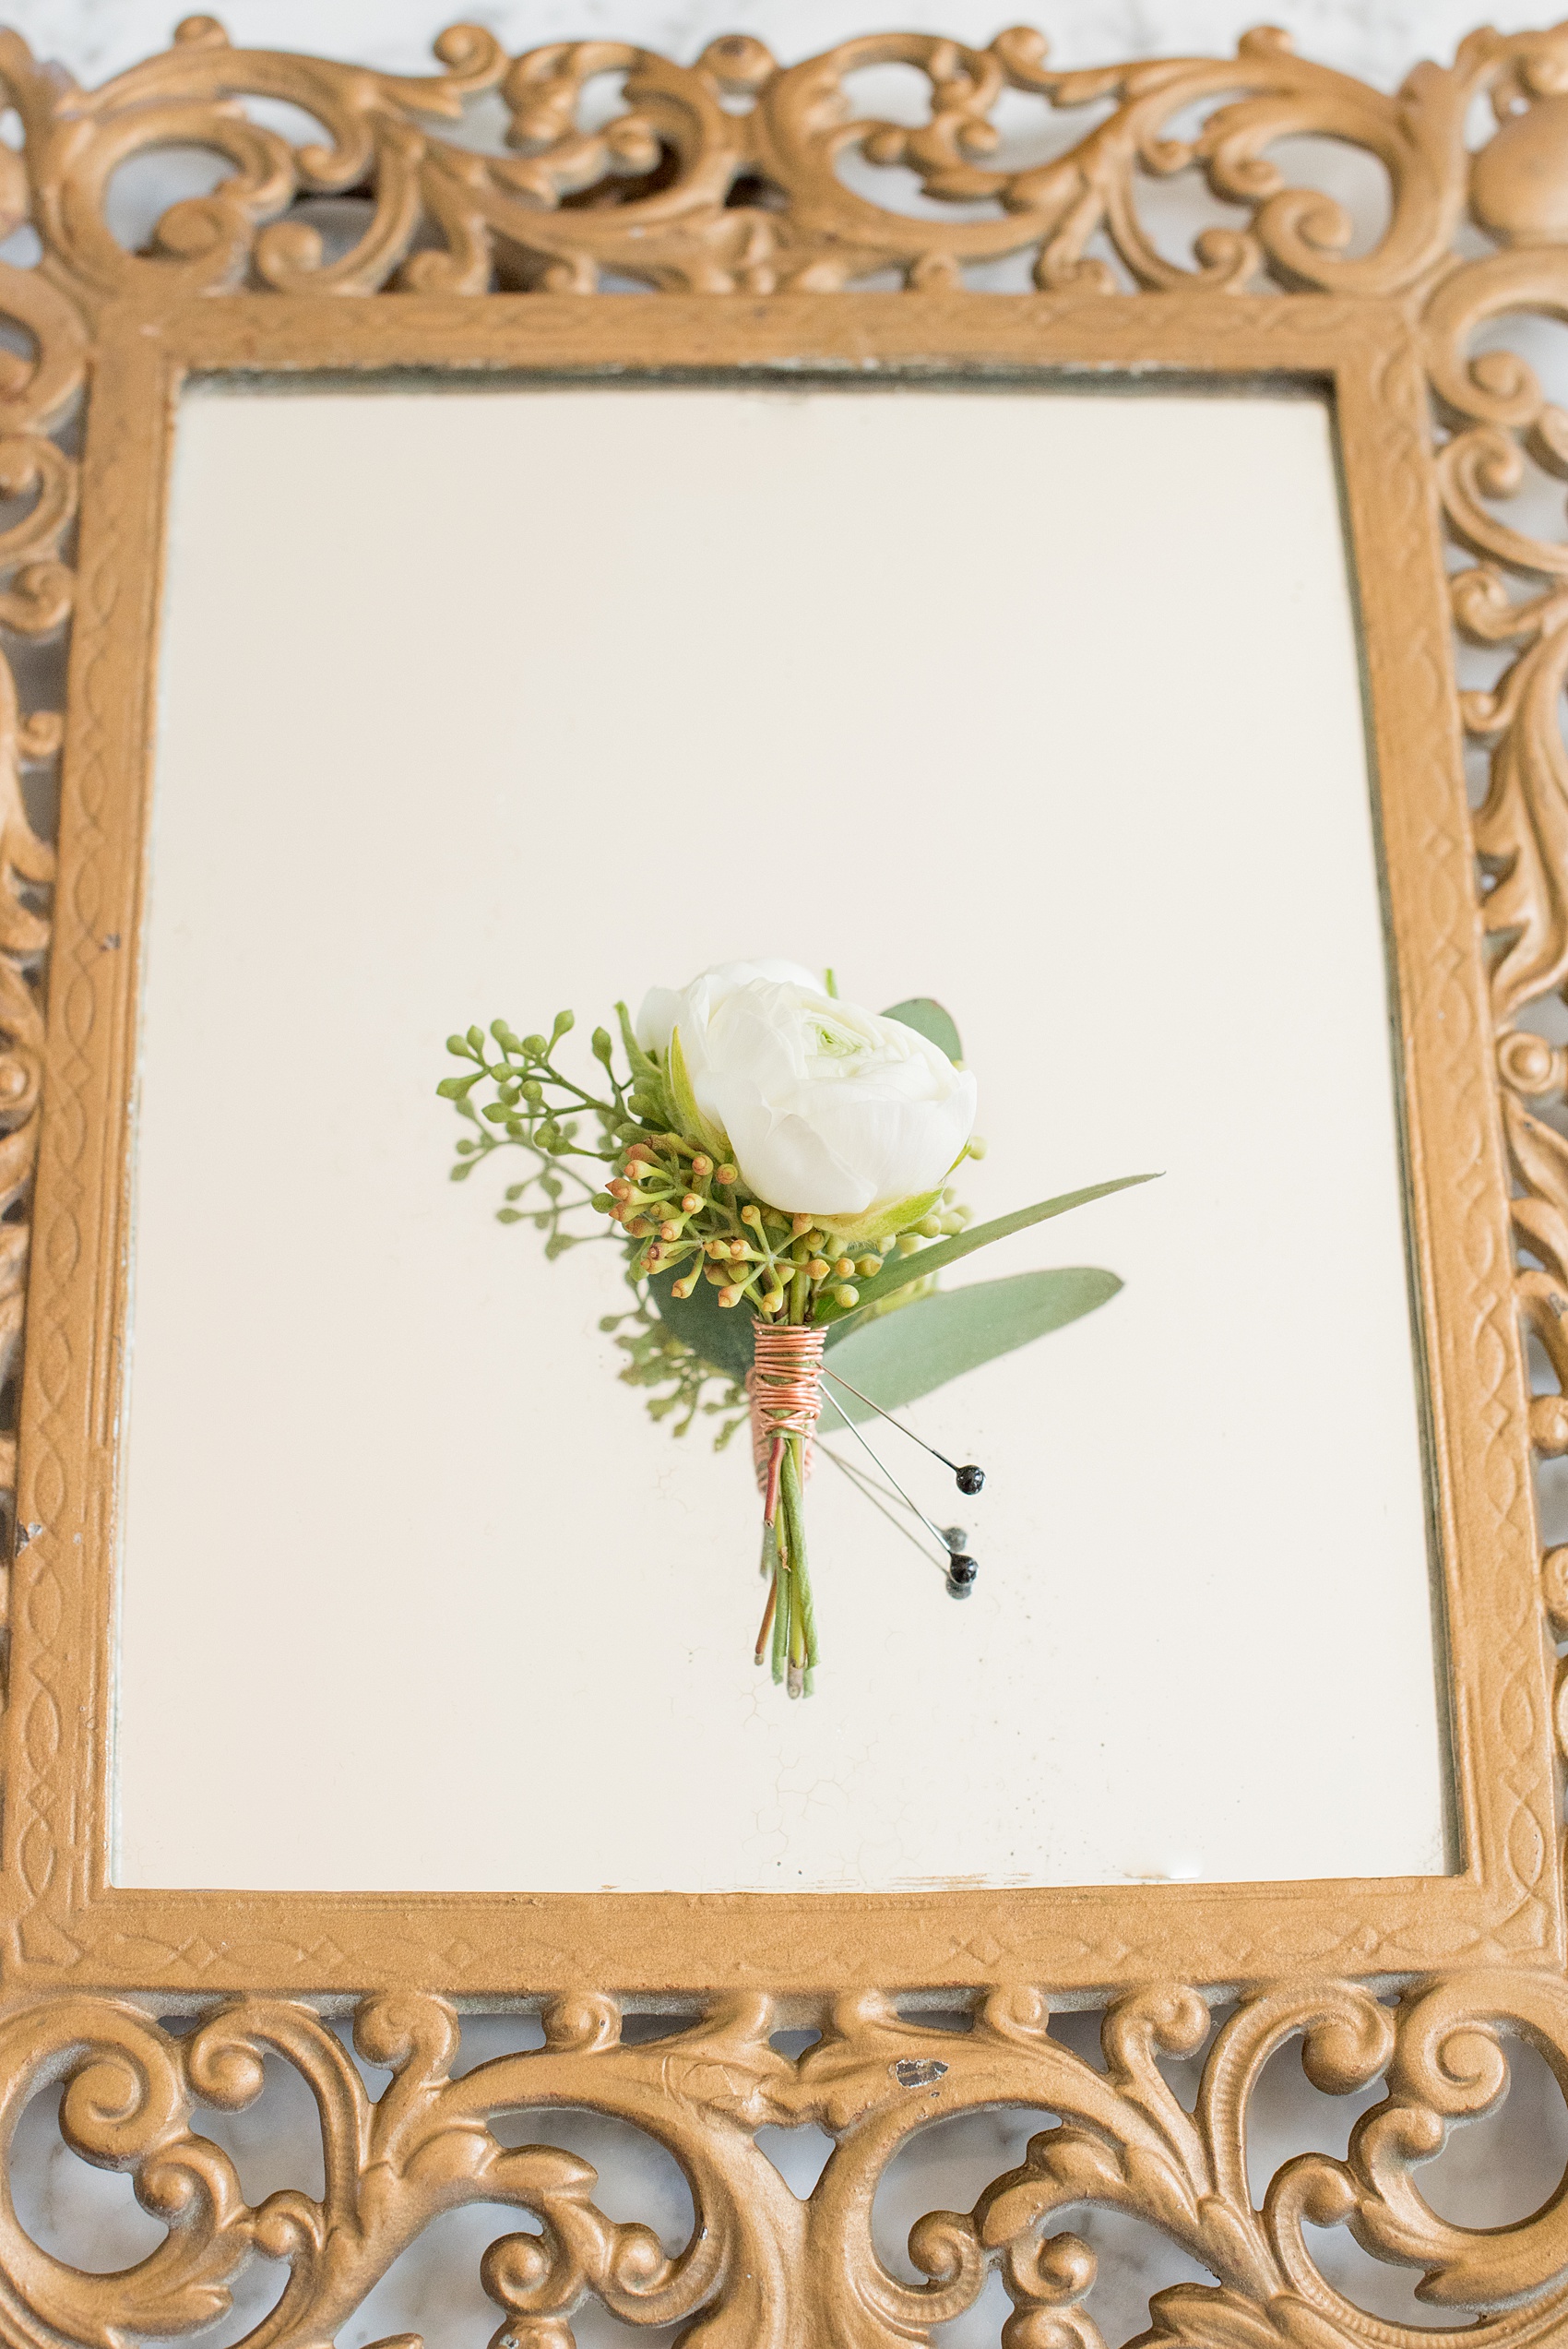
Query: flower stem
(781, 1612)
(802, 1647)
(768, 1614)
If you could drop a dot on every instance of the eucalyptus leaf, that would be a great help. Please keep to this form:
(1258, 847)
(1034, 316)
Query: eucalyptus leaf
(927, 1017)
(722, 1335)
(915, 1267)
(898, 1357)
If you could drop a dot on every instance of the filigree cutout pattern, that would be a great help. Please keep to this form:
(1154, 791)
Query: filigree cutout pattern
(762, 2269)
(724, 176)
(730, 176)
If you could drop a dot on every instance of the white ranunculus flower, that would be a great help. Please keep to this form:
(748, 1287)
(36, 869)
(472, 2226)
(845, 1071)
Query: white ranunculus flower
(827, 1110)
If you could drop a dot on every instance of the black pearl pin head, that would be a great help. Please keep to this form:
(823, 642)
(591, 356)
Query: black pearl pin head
(970, 1479)
(961, 1573)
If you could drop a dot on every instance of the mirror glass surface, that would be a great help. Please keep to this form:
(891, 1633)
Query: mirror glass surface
(494, 700)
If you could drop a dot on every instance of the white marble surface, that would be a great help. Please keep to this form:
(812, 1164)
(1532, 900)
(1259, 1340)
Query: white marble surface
(1376, 38)
(1494, 2171)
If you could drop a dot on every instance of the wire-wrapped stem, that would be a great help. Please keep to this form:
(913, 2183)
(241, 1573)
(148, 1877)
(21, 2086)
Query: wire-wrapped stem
(784, 1386)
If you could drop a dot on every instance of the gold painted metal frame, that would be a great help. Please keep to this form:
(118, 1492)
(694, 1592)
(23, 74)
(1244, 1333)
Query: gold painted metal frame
(724, 180)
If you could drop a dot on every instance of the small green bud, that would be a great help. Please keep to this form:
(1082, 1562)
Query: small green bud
(846, 1294)
(461, 1173)
(564, 1023)
(535, 1046)
(476, 1040)
(608, 1321)
(456, 1088)
(494, 1111)
(466, 1147)
(458, 1044)
(603, 1201)
(907, 1244)
(603, 1047)
(975, 1147)
(507, 1215)
(929, 1227)
(515, 1129)
(533, 1090)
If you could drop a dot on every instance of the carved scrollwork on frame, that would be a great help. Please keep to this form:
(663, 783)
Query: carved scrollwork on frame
(729, 175)
(761, 2269)
(738, 175)
(43, 362)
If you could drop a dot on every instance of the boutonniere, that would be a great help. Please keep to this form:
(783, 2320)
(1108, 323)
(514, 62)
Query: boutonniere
(779, 1166)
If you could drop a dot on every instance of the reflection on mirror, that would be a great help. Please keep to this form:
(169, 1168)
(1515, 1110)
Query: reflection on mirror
(481, 703)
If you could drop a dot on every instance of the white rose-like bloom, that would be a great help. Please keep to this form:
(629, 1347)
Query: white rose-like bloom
(830, 1111)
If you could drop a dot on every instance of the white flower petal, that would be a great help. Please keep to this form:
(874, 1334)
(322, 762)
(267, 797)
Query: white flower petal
(831, 1110)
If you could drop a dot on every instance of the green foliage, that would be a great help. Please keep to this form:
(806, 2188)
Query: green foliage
(687, 1223)
(722, 1337)
(928, 1019)
(898, 1357)
(924, 1261)
(541, 1112)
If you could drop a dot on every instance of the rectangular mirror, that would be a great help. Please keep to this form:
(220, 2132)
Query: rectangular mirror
(1045, 700)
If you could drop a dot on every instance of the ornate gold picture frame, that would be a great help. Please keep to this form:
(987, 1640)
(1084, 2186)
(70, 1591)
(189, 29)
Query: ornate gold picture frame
(718, 190)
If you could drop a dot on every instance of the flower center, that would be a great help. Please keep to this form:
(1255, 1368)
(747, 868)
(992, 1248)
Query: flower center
(836, 1042)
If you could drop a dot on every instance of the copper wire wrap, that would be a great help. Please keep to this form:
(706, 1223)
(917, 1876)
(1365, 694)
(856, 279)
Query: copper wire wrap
(784, 1386)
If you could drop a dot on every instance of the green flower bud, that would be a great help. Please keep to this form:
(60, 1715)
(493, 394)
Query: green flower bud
(476, 1039)
(507, 1215)
(603, 1047)
(458, 1044)
(494, 1111)
(564, 1023)
(535, 1046)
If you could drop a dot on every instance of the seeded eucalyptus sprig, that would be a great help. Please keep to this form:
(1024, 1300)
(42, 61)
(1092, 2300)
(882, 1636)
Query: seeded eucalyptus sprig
(690, 1216)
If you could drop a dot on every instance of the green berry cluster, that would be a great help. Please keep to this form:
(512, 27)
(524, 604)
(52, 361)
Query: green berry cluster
(678, 1211)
